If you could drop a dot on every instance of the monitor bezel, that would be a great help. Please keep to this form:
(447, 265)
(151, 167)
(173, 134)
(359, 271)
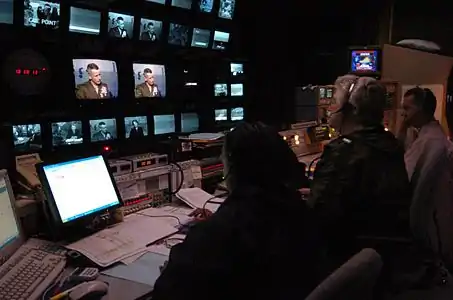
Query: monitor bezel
(50, 200)
(378, 65)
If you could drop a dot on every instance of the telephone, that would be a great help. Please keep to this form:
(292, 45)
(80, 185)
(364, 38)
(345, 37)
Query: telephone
(26, 167)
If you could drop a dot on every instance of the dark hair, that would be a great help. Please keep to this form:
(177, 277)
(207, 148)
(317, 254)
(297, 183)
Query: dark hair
(147, 70)
(423, 98)
(150, 24)
(92, 66)
(119, 19)
(102, 124)
(135, 121)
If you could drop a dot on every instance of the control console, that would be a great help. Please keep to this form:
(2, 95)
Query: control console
(147, 160)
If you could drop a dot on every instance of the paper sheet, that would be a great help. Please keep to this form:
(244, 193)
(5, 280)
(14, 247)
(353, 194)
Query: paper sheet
(196, 198)
(128, 238)
(206, 136)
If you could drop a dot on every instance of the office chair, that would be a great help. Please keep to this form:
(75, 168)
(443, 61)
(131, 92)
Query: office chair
(354, 280)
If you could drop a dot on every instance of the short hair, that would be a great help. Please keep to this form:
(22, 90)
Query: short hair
(135, 121)
(92, 66)
(119, 19)
(150, 24)
(424, 99)
(147, 71)
(102, 124)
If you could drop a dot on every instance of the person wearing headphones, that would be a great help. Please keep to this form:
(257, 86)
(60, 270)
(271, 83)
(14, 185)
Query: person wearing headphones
(360, 185)
(258, 239)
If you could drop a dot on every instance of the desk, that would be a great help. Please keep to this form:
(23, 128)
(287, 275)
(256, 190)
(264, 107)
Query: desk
(120, 289)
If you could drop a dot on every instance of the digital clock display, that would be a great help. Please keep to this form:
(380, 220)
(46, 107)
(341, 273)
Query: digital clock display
(145, 163)
(30, 72)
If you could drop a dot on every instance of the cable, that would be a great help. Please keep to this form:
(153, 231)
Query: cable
(311, 164)
(60, 281)
(203, 212)
(161, 216)
(181, 171)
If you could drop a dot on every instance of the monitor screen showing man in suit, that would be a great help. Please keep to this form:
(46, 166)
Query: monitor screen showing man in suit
(95, 79)
(67, 133)
(120, 25)
(150, 30)
(103, 130)
(149, 81)
(136, 127)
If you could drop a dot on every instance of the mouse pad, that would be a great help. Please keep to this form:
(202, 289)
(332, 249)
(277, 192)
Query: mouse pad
(144, 270)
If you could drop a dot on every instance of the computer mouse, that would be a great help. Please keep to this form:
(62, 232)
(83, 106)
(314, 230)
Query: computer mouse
(89, 291)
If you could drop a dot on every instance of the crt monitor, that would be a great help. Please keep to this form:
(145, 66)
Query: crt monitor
(221, 114)
(150, 81)
(221, 40)
(236, 69)
(237, 89)
(364, 61)
(42, 14)
(189, 122)
(95, 79)
(164, 124)
(6, 11)
(84, 21)
(150, 30)
(79, 188)
(237, 114)
(120, 26)
(136, 127)
(67, 133)
(102, 130)
(205, 5)
(226, 9)
(220, 90)
(200, 38)
(178, 35)
(27, 137)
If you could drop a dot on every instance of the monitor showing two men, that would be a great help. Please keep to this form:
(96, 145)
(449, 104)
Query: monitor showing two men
(41, 14)
(95, 79)
(102, 130)
(27, 137)
(136, 127)
(67, 133)
(164, 124)
(149, 80)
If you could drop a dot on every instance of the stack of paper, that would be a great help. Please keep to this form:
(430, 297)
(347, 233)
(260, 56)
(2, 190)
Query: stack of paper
(197, 198)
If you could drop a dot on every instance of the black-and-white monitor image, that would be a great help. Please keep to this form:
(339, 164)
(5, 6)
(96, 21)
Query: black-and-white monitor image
(226, 9)
(237, 89)
(237, 114)
(220, 90)
(221, 114)
(27, 137)
(150, 30)
(187, 4)
(189, 122)
(236, 69)
(67, 133)
(157, 1)
(42, 14)
(200, 38)
(221, 40)
(179, 35)
(120, 25)
(6, 11)
(205, 5)
(95, 79)
(103, 130)
(136, 127)
(149, 81)
(84, 21)
(164, 124)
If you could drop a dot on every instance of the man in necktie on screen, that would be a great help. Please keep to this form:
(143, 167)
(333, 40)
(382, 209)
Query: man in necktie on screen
(118, 31)
(149, 34)
(94, 88)
(149, 88)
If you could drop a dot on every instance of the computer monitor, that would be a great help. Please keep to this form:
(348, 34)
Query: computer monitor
(136, 127)
(220, 90)
(102, 130)
(226, 10)
(157, 1)
(205, 5)
(164, 124)
(187, 4)
(237, 89)
(150, 30)
(236, 69)
(364, 61)
(221, 40)
(27, 137)
(200, 38)
(41, 14)
(92, 73)
(189, 122)
(221, 115)
(120, 26)
(79, 188)
(7, 11)
(67, 133)
(237, 114)
(178, 35)
(150, 81)
(84, 21)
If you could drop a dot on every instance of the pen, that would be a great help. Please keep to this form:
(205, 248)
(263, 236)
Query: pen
(62, 294)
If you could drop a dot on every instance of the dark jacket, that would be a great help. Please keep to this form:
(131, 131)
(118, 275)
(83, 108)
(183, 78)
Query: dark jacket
(256, 246)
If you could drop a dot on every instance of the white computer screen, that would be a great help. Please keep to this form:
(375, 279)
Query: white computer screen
(9, 230)
(81, 187)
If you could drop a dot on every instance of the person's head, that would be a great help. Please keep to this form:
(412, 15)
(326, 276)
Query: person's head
(102, 127)
(47, 8)
(150, 27)
(419, 106)
(149, 77)
(135, 123)
(120, 22)
(94, 73)
(14, 130)
(73, 127)
(257, 155)
(361, 102)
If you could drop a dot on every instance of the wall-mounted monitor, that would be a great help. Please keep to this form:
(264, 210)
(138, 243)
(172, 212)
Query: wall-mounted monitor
(67, 133)
(41, 14)
(7, 11)
(136, 127)
(200, 38)
(178, 35)
(364, 61)
(157, 1)
(220, 90)
(226, 9)
(149, 80)
(95, 79)
(27, 137)
(102, 130)
(164, 124)
(205, 5)
(237, 114)
(84, 21)
(221, 40)
(237, 90)
(150, 30)
(221, 115)
(187, 4)
(189, 122)
(236, 69)
(120, 25)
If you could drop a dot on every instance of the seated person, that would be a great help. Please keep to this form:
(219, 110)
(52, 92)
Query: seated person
(260, 242)
(360, 185)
